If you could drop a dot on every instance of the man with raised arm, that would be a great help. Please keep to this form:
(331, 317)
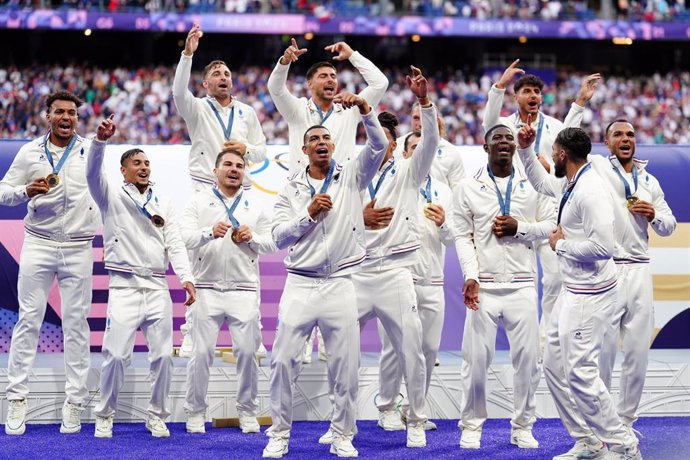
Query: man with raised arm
(225, 231)
(215, 122)
(140, 236)
(321, 108)
(584, 245)
(49, 173)
(499, 217)
(318, 217)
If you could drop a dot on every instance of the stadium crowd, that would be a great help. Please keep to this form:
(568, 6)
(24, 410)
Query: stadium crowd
(659, 104)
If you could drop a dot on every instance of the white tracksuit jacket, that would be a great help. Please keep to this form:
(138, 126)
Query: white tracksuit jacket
(132, 244)
(301, 113)
(334, 244)
(205, 131)
(66, 215)
(219, 263)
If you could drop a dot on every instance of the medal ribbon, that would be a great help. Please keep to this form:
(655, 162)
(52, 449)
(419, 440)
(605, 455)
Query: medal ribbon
(235, 223)
(326, 182)
(569, 191)
(426, 191)
(373, 191)
(226, 129)
(68, 150)
(628, 193)
(323, 117)
(504, 205)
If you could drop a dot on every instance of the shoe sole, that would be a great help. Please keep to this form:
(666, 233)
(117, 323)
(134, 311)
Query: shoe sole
(195, 430)
(251, 430)
(388, 428)
(469, 446)
(66, 430)
(523, 446)
(334, 451)
(274, 455)
(415, 444)
(99, 434)
(158, 435)
(16, 432)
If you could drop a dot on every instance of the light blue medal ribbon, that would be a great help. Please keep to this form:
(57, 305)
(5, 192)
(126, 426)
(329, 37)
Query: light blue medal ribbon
(226, 129)
(374, 190)
(628, 193)
(323, 117)
(503, 204)
(326, 182)
(426, 191)
(235, 223)
(68, 150)
(569, 191)
(540, 128)
(155, 219)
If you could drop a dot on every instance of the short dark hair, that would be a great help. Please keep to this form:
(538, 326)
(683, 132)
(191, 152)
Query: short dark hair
(608, 128)
(407, 140)
(528, 80)
(224, 152)
(575, 141)
(390, 122)
(312, 70)
(213, 64)
(129, 154)
(492, 129)
(304, 138)
(63, 96)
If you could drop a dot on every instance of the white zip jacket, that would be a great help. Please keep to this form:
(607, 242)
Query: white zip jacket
(334, 244)
(219, 263)
(447, 165)
(585, 255)
(133, 247)
(205, 130)
(67, 214)
(551, 126)
(302, 113)
(632, 237)
(431, 256)
(395, 245)
(497, 262)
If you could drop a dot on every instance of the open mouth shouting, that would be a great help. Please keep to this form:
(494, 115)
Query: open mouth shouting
(64, 128)
(533, 106)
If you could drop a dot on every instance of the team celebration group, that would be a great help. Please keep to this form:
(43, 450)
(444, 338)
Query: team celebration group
(365, 236)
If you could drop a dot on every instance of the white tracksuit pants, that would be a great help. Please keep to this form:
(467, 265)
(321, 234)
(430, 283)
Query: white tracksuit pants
(390, 296)
(431, 309)
(328, 303)
(634, 322)
(39, 264)
(551, 287)
(241, 310)
(128, 310)
(517, 307)
(576, 335)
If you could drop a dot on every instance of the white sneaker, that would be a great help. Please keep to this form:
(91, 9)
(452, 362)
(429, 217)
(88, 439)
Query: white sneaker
(416, 436)
(327, 437)
(429, 425)
(196, 423)
(186, 347)
(249, 424)
(104, 427)
(16, 417)
(471, 439)
(523, 438)
(157, 427)
(71, 418)
(276, 448)
(323, 356)
(583, 449)
(390, 420)
(261, 352)
(306, 359)
(632, 453)
(633, 433)
(342, 447)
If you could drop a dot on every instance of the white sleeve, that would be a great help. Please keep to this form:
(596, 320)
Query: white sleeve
(176, 248)
(664, 222)
(424, 153)
(287, 104)
(574, 117)
(193, 235)
(492, 109)
(262, 240)
(462, 219)
(95, 177)
(596, 210)
(376, 80)
(13, 185)
(537, 175)
(546, 221)
(256, 140)
(370, 158)
(183, 97)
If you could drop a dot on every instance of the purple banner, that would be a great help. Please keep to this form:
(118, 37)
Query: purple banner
(362, 25)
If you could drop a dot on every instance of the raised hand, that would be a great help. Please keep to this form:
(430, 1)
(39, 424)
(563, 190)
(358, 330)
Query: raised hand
(377, 218)
(348, 100)
(527, 134)
(192, 41)
(342, 49)
(511, 72)
(37, 187)
(587, 87)
(106, 129)
(292, 53)
(417, 84)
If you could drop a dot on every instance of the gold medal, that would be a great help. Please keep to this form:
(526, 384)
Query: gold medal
(157, 220)
(632, 200)
(53, 180)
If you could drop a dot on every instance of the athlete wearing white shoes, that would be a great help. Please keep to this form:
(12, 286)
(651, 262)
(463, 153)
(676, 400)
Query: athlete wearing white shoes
(528, 97)
(638, 205)
(215, 122)
(225, 231)
(499, 217)
(49, 173)
(140, 235)
(584, 244)
(318, 217)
